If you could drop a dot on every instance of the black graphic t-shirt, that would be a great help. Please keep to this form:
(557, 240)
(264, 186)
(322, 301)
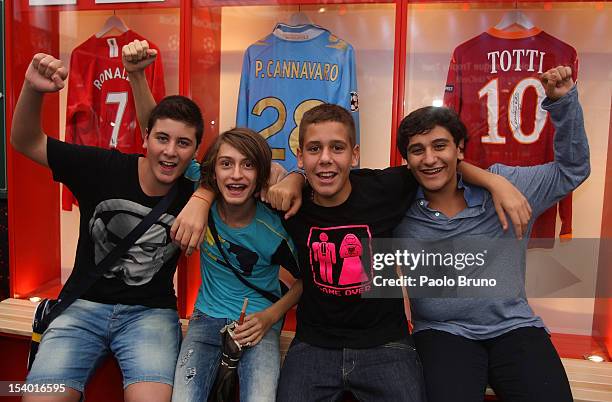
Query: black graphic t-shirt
(334, 248)
(112, 203)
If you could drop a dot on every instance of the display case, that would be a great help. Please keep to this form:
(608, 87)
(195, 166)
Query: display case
(402, 54)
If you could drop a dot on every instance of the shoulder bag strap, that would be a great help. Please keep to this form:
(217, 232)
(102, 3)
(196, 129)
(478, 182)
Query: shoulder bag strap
(213, 230)
(104, 266)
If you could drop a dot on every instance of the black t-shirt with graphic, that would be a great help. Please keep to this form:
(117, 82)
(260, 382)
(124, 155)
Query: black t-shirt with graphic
(334, 250)
(112, 203)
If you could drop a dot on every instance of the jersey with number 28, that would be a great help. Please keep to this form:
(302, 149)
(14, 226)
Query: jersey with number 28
(100, 110)
(493, 83)
(289, 72)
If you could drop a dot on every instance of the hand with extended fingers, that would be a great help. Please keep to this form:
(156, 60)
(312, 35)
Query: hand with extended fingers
(46, 73)
(137, 55)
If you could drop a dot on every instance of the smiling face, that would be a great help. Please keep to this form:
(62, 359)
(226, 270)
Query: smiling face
(170, 146)
(236, 176)
(327, 157)
(432, 158)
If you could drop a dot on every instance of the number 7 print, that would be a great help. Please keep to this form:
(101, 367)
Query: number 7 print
(121, 99)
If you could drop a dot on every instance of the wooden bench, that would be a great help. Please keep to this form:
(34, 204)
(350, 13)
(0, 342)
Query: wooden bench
(590, 382)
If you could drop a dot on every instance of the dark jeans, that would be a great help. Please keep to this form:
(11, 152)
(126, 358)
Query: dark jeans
(521, 366)
(390, 372)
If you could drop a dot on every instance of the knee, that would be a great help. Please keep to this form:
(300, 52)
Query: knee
(148, 392)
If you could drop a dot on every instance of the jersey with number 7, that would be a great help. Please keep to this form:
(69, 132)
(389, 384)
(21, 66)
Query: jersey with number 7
(493, 84)
(100, 110)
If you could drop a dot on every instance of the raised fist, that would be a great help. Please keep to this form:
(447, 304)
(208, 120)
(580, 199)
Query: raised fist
(46, 73)
(136, 55)
(557, 81)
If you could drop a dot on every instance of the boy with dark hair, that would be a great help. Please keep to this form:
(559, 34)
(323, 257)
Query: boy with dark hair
(130, 311)
(345, 342)
(467, 343)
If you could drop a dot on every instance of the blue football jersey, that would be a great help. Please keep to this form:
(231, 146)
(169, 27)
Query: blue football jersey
(290, 71)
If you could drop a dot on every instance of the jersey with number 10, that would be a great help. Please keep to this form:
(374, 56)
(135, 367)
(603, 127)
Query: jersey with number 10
(100, 110)
(493, 84)
(289, 72)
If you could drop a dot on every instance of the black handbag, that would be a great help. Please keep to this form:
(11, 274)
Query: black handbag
(49, 309)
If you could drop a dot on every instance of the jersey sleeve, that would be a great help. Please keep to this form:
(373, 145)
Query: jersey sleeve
(157, 82)
(565, 213)
(452, 89)
(565, 205)
(79, 118)
(242, 111)
(546, 184)
(349, 96)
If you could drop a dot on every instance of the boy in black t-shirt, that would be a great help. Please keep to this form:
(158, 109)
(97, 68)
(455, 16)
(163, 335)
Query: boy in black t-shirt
(345, 342)
(131, 311)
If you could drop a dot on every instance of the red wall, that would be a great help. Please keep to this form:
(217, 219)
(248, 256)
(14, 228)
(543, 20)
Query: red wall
(33, 197)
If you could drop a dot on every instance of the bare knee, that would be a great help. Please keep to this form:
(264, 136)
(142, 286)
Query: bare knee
(148, 392)
(70, 395)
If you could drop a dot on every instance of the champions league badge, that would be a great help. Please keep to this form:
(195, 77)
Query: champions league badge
(354, 102)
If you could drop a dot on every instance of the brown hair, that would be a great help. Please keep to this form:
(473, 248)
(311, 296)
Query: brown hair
(248, 143)
(324, 113)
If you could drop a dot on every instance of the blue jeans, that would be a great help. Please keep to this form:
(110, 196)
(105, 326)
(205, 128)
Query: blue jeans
(145, 341)
(196, 369)
(390, 372)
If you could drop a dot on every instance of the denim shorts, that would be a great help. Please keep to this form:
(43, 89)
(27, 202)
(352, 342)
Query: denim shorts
(196, 369)
(145, 341)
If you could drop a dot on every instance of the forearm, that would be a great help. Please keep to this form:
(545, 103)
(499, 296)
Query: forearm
(204, 194)
(289, 300)
(27, 136)
(143, 98)
(189, 227)
(477, 176)
(571, 146)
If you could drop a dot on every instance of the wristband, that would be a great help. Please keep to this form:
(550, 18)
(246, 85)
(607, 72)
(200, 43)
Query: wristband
(300, 171)
(194, 195)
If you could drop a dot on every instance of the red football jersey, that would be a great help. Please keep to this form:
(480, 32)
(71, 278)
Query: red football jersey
(493, 84)
(100, 110)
